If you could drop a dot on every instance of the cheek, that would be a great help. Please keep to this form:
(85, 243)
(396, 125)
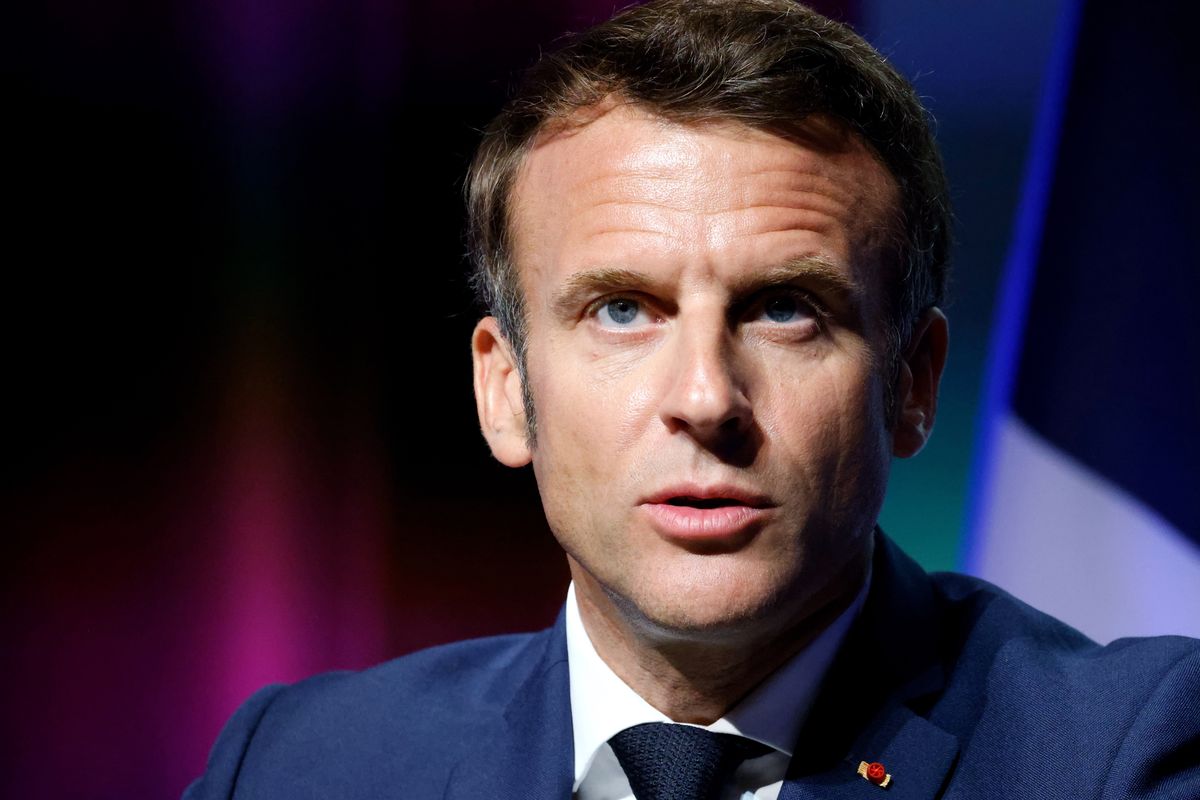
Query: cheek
(812, 446)
(865, 453)
(594, 403)
(830, 426)
(585, 435)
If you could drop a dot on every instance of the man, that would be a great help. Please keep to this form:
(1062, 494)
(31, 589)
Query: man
(712, 238)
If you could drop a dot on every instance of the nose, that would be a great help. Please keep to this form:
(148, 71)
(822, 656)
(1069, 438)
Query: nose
(705, 396)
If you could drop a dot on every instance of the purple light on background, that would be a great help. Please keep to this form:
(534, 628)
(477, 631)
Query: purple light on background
(379, 50)
(266, 56)
(297, 584)
(256, 555)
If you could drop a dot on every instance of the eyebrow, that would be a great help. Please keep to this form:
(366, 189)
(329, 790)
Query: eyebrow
(604, 280)
(820, 272)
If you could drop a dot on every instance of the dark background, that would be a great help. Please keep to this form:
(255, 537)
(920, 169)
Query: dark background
(240, 443)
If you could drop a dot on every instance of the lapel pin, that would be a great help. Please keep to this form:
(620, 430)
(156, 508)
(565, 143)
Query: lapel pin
(876, 773)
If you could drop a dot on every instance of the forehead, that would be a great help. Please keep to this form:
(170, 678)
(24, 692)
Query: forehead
(629, 184)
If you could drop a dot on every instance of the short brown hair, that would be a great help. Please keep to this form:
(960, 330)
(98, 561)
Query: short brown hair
(768, 64)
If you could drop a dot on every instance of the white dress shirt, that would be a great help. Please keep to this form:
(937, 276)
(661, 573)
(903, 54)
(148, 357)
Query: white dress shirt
(602, 705)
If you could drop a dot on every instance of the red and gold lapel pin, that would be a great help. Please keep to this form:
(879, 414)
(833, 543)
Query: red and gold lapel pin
(876, 773)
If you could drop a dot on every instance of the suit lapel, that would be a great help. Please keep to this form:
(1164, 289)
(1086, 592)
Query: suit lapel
(528, 751)
(872, 704)
(917, 754)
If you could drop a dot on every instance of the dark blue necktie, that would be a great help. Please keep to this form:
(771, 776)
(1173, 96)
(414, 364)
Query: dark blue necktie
(680, 762)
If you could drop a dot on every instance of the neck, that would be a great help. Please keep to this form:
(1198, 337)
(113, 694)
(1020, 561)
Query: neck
(698, 678)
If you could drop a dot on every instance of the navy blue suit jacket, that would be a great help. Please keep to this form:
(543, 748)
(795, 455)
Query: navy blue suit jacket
(959, 689)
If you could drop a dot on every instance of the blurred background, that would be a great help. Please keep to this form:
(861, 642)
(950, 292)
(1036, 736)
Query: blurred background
(241, 445)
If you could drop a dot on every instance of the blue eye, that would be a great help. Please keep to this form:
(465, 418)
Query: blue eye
(620, 312)
(781, 309)
(787, 308)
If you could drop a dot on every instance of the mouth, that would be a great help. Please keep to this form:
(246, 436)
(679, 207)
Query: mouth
(714, 514)
(703, 502)
(708, 497)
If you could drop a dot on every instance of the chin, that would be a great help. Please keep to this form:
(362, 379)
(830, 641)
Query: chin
(707, 604)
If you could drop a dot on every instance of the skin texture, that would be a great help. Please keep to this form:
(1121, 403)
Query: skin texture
(705, 307)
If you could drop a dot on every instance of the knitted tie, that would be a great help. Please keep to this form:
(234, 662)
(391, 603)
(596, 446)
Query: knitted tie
(680, 762)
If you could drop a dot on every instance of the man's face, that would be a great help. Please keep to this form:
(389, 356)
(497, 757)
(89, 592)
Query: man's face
(705, 339)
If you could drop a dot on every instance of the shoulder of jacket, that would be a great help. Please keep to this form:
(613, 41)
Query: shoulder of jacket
(467, 677)
(982, 612)
(1033, 667)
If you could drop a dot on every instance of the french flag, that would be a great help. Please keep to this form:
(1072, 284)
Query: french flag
(1087, 473)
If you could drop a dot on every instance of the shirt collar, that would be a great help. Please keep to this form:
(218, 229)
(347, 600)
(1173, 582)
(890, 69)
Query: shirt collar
(603, 705)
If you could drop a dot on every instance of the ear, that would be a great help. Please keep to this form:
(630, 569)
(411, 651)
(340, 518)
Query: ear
(917, 383)
(498, 397)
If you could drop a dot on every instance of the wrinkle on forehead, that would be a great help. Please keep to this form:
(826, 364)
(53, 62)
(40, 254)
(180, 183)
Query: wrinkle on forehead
(666, 154)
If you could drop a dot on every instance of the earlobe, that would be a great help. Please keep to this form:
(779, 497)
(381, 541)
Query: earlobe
(917, 383)
(498, 396)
